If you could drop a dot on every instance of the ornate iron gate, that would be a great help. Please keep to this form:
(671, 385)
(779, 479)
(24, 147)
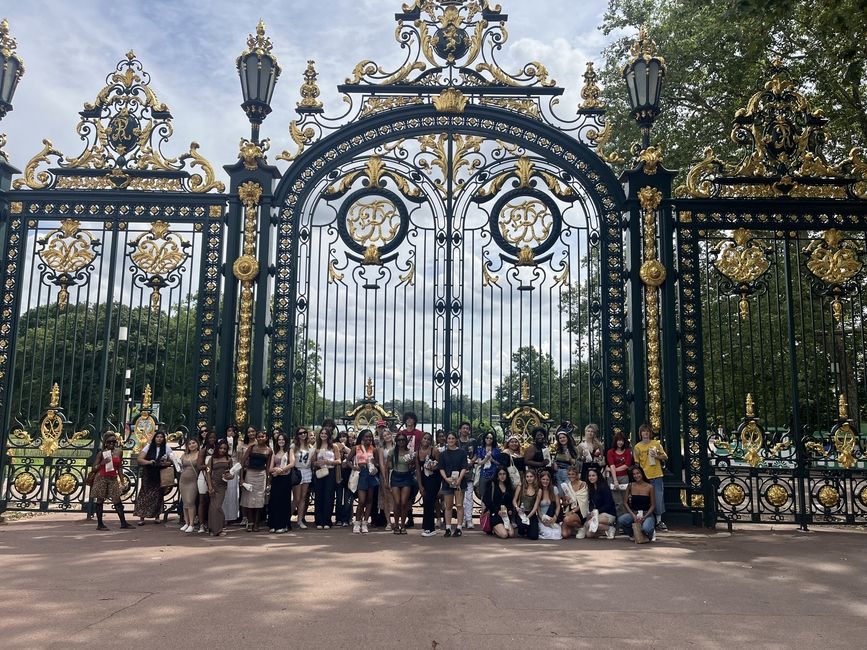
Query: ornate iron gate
(770, 257)
(111, 284)
(452, 241)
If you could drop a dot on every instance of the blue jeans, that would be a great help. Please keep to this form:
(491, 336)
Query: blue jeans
(659, 492)
(625, 521)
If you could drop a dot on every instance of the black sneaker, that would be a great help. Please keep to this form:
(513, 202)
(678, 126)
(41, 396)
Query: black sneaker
(661, 526)
(458, 532)
(448, 532)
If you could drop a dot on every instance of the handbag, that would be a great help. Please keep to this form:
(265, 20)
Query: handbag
(485, 522)
(167, 477)
(352, 483)
(513, 473)
(638, 534)
(322, 472)
(295, 477)
(202, 484)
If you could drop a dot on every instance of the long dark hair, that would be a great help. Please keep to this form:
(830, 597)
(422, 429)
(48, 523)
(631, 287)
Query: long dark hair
(599, 488)
(329, 441)
(297, 441)
(484, 437)
(152, 447)
(570, 445)
(509, 487)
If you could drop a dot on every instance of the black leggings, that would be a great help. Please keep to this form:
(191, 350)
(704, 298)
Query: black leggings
(531, 530)
(431, 486)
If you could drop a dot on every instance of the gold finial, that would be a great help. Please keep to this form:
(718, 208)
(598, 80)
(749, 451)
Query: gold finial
(591, 91)
(525, 390)
(368, 390)
(843, 407)
(310, 89)
(451, 100)
(146, 400)
(54, 396)
(260, 44)
(7, 43)
(645, 48)
(130, 55)
(751, 411)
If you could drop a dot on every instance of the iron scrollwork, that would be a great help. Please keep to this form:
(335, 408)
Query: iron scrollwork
(159, 256)
(742, 262)
(835, 261)
(67, 253)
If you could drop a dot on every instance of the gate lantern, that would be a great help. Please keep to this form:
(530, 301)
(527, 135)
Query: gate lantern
(643, 75)
(258, 70)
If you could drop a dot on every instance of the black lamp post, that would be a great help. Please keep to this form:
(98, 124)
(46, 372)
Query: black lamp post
(258, 70)
(11, 71)
(643, 75)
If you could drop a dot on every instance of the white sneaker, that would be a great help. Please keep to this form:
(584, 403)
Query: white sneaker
(388, 526)
(468, 525)
(581, 534)
(429, 533)
(302, 525)
(186, 528)
(202, 529)
(356, 527)
(609, 533)
(272, 530)
(364, 530)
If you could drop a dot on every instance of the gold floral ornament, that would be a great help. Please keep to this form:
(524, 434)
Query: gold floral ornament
(124, 130)
(591, 93)
(781, 137)
(844, 436)
(310, 89)
(67, 254)
(144, 426)
(522, 419)
(368, 411)
(742, 262)
(751, 435)
(836, 261)
(252, 152)
(159, 254)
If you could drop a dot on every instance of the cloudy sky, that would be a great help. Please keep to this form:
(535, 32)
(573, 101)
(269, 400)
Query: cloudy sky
(189, 48)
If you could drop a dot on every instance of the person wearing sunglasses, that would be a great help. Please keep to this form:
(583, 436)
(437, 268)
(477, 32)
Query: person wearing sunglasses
(106, 482)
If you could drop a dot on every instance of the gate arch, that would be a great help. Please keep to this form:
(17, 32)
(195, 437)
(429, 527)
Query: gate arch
(447, 154)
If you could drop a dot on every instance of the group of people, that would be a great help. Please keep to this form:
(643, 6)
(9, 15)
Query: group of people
(557, 490)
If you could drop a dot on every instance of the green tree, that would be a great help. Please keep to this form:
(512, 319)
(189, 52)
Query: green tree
(717, 52)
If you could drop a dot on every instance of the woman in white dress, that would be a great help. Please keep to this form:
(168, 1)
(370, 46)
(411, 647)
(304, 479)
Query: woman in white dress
(230, 502)
(303, 452)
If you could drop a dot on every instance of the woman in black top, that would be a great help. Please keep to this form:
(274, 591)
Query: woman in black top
(537, 455)
(498, 501)
(640, 502)
(453, 470)
(602, 506)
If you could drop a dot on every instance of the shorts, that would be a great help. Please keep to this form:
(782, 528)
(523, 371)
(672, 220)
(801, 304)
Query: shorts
(306, 475)
(401, 479)
(366, 481)
(449, 490)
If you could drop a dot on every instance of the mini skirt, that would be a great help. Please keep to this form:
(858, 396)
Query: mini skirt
(365, 480)
(306, 475)
(401, 479)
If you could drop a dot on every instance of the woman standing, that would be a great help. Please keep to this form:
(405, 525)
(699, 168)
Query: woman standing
(619, 459)
(498, 499)
(487, 462)
(230, 501)
(187, 483)
(209, 443)
(565, 455)
(640, 505)
(344, 495)
(280, 466)
(576, 503)
(152, 458)
(106, 483)
(255, 474)
(217, 474)
(385, 499)
(401, 467)
(590, 450)
(603, 513)
(429, 481)
(453, 471)
(513, 460)
(325, 465)
(249, 438)
(365, 461)
(526, 504)
(303, 452)
(537, 455)
(549, 508)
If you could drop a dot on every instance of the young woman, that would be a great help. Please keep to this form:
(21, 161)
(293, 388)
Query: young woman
(254, 473)
(152, 458)
(325, 465)
(590, 450)
(429, 482)
(217, 475)
(526, 505)
(209, 443)
(249, 438)
(565, 455)
(498, 499)
(619, 460)
(400, 468)
(231, 507)
(303, 460)
(487, 462)
(187, 483)
(549, 508)
(453, 470)
(603, 513)
(537, 456)
(513, 460)
(343, 493)
(365, 461)
(649, 455)
(106, 483)
(576, 504)
(640, 505)
(385, 498)
(280, 502)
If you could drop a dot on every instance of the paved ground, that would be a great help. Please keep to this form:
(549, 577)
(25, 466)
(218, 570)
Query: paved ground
(65, 584)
